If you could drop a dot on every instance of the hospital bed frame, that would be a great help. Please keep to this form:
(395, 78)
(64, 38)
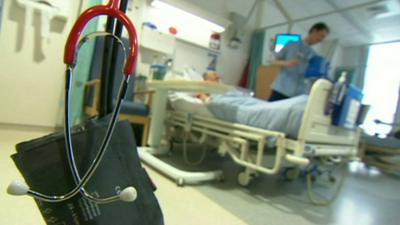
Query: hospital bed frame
(317, 137)
(374, 156)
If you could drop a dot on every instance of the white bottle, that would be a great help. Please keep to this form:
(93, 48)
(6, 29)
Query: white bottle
(337, 94)
(342, 88)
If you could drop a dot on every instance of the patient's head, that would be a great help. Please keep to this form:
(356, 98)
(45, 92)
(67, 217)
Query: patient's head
(211, 76)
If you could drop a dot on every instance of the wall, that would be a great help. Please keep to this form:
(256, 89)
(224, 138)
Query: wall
(356, 57)
(333, 51)
(31, 71)
(271, 16)
(189, 55)
(37, 86)
(270, 37)
(330, 48)
(230, 61)
(396, 119)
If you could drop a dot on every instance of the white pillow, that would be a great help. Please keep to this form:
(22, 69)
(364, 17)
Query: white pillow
(186, 102)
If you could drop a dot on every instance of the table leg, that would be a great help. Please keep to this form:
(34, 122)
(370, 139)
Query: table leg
(158, 114)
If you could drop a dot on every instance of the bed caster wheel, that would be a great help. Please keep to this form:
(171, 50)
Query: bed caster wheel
(244, 179)
(291, 174)
(313, 178)
(180, 182)
(221, 178)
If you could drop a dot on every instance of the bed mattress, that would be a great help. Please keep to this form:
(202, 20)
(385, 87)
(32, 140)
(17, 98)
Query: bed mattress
(237, 107)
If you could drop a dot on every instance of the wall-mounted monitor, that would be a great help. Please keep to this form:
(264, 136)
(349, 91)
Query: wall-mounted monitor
(282, 39)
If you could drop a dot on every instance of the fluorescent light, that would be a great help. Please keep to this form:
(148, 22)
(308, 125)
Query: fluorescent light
(169, 10)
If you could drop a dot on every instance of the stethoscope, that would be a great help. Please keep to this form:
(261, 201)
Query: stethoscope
(72, 46)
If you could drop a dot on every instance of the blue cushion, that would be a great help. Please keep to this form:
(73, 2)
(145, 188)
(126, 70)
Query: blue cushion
(318, 67)
(134, 108)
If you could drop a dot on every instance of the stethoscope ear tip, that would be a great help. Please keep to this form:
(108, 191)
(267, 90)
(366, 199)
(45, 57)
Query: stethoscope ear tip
(17, 187)
(129, 194)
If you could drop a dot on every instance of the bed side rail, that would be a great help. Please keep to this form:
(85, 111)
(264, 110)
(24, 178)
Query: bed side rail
(232, 134)
(316, 127)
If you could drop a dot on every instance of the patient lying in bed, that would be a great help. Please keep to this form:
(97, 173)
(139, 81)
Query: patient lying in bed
(210, 77)
(283, 116)
(239, 107)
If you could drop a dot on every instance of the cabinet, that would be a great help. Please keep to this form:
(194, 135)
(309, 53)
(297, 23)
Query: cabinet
(266, 74)
(157, 41)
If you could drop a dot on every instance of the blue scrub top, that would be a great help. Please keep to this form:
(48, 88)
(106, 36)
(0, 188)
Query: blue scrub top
(291, 81)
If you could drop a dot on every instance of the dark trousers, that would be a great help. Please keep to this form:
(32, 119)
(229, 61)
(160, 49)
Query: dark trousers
(276, 96)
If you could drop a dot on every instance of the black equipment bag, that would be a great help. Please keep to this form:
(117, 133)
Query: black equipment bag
(43, 163)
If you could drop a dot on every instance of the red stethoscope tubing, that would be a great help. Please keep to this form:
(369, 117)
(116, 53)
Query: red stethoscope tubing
(111, 9)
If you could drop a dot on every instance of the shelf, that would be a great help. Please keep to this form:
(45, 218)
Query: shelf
(157, 41)
(165, 43)
(216, 52)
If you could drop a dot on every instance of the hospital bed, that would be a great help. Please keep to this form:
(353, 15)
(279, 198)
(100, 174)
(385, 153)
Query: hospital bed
(246, 145)
(382, 153)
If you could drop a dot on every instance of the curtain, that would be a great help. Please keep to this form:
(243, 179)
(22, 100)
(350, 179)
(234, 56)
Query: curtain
(82, 69)
(256, 54)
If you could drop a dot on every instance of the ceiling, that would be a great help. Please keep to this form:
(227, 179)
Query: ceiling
(352, 26)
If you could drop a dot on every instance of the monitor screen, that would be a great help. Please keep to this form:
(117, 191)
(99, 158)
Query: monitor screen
(282, 39)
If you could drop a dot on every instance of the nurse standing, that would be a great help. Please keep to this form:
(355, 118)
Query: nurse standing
(293, 59)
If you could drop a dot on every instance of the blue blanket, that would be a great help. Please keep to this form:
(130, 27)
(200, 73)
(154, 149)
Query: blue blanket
(283, 116)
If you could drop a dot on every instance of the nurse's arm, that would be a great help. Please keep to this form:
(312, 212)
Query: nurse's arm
(285, 63)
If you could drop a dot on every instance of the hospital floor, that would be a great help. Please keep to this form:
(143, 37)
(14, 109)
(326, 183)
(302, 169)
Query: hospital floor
(368, 197)
(179, 205)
